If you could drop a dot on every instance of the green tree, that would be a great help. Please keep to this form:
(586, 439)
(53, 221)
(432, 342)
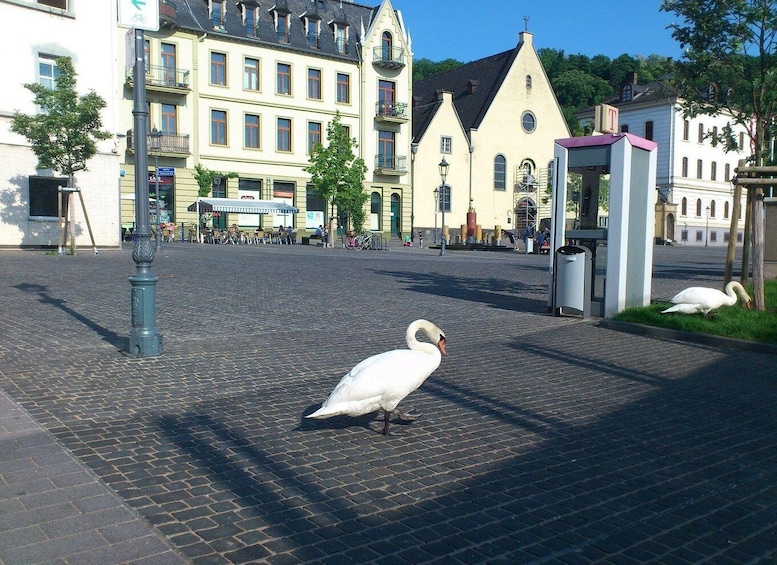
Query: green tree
(64, 134)
(424, 67)
(205, 178)
(336, 175)
(729, 66)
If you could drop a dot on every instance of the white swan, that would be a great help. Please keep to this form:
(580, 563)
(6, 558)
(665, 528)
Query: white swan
(700, 299)
(381, 382)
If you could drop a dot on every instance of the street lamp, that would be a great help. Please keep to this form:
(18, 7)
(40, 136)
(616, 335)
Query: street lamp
(156, 145)
(443, 200)
(436, 208)
(707, 232)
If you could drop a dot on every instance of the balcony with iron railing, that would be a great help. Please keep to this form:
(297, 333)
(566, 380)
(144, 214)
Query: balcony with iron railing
(313, 41)
(392, 112)
(342, 45)
(388, 57)
(170, 144)
(283, 35)
(387, 164)
(160, 77)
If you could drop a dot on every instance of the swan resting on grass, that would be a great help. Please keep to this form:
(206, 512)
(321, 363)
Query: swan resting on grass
(382, 381)
(698, 299)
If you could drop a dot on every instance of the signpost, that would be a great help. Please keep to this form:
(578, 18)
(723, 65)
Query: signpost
(144, 338)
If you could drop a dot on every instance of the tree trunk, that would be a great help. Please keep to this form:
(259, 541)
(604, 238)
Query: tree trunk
(758, 249)
(736, 211)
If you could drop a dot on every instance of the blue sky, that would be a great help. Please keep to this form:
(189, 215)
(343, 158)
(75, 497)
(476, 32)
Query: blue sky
(472, 29)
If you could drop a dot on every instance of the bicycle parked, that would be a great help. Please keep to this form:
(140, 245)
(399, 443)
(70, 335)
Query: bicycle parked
(361, 240)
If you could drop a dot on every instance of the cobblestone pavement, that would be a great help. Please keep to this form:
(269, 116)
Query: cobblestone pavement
(543, 439)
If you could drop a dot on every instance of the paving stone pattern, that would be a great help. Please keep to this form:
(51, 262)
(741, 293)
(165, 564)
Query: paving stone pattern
(543, 439)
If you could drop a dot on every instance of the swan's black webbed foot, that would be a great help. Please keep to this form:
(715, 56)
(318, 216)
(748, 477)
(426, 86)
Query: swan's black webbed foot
(407, 416)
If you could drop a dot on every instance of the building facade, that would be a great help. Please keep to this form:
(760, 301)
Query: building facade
(494, 121)
(246, 89)
(694, 194)
(28, 195)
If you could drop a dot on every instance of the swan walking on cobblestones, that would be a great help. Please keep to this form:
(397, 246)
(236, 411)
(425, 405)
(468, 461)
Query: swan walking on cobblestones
(381, 382)
(699, 299)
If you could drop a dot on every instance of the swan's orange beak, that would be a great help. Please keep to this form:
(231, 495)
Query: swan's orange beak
(441, 345)
(748, 305)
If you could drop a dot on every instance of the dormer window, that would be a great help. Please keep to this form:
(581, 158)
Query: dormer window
(627, 93)
(472, 86)
(250, 10)
(282, 20)
(312, 22)
(313, 30)
(341, 29)
(218, 13)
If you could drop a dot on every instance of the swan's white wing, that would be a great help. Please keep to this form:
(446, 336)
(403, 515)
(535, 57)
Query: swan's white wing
(380, 381)
(698, 295)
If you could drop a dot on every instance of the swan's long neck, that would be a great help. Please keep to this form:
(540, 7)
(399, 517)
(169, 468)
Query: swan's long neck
(732, 290)
(429, 329)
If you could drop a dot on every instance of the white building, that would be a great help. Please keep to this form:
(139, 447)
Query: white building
(45, 30)
(694, 194)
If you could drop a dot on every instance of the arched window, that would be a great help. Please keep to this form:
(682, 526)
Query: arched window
(500, 173)
(698, 208)
(712, 209)
(375, 212)
(528, 81)
(725, 210)
(684, 207)
(386, 43)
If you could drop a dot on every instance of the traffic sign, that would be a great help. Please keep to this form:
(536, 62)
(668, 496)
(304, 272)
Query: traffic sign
(140, 14)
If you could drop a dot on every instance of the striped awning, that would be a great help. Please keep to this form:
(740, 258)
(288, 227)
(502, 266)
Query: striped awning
(243, 206)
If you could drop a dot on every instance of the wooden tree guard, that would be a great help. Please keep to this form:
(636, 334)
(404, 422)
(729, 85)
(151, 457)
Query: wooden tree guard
(754, 179)
(65, 210)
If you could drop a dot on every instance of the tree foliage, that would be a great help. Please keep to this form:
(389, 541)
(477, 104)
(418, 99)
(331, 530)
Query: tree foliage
(423, 68)
(729, 63)
(205, 178)
(336, 174)
(64, 134)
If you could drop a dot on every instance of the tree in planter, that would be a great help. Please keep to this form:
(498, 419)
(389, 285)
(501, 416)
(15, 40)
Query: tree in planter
(64, 134)
(729, 67)
(337, 176)
(205, 178)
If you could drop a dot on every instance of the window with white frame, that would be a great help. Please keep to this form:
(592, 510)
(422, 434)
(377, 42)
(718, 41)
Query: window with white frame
(47, 72)
(500, 172)
(446, 144)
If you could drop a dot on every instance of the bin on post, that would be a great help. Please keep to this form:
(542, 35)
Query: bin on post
(572, 280)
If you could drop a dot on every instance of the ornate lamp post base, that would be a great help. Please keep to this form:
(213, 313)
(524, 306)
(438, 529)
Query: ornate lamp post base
(144, 338)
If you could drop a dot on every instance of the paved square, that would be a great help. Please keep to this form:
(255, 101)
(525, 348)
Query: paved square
(543, 440)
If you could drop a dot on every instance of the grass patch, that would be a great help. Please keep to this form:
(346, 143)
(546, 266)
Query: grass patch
(728, 321)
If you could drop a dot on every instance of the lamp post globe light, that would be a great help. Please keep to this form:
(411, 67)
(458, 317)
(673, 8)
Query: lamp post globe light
(707, 230)
(436, 208)
(156, 145)
(443, 200)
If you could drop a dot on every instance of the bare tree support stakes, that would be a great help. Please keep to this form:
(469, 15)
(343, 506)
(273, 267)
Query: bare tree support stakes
(67, 194)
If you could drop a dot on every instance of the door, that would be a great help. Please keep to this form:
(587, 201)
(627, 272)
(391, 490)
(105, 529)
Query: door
(396, 216)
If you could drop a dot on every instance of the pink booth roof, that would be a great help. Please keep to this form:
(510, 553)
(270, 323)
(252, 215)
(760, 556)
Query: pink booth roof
(607, 139)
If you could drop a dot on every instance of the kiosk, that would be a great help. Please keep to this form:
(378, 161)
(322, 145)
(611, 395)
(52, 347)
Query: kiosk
(621, 249)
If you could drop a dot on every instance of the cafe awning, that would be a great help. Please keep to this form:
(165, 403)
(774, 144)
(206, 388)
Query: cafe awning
(242, 206)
